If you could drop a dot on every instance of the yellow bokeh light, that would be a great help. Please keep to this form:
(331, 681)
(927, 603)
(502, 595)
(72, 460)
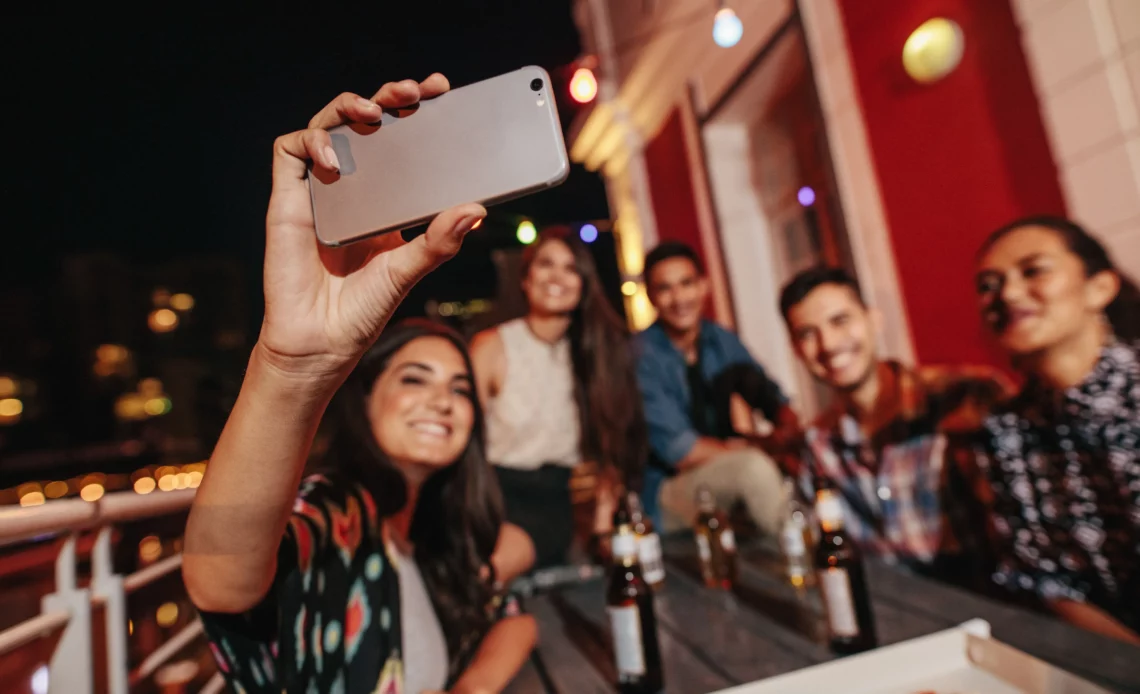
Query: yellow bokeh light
(166, 483)
(131, 627)
(182, 302)
(157, 406)
(56, 489)
(114, 354)
(91, 492)
(629, 287)
(194, 479)
(162, 320)
(144, 485)
(11, 407)
(166, 614)
(933, 50)
(150, 386)
(130, 406)
(150, 548)
(32, 499)
(8, 387)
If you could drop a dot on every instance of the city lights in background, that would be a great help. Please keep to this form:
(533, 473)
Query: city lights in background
(526, 232)
(588, 233)
(30, 494)
(806, 196)
(11, 407)
(167, 614)
(583, 85)
(112, 360)
(727, 28)
(182, 302)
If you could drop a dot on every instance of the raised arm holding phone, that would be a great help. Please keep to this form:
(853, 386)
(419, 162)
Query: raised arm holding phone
(255, 549)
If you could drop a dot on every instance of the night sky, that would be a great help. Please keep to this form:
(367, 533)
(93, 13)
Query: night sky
(152, 139)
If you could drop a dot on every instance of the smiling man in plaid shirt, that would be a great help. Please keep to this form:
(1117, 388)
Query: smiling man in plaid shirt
(896, 441)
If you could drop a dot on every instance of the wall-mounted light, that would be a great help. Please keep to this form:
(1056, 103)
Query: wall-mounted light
(933, 50)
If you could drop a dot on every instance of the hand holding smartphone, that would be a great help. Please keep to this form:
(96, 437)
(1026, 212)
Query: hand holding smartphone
(487, 142)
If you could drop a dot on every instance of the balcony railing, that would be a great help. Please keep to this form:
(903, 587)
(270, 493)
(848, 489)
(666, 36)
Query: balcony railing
(67, 612)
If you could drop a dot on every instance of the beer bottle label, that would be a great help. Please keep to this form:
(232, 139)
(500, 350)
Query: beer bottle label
(840, 605)
(629, 656)
(728, 540)
(793, 540)
(703, 547)
(649, 555)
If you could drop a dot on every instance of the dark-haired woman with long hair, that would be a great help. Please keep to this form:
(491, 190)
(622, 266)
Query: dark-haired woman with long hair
(379, 575)
(559, 387)
(1063, 459)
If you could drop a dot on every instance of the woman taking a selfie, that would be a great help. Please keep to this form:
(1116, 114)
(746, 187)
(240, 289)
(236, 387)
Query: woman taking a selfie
(559, 388)
(379, 575)
(1062, 457)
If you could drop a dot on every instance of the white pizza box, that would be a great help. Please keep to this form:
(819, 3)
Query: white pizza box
(962, 660)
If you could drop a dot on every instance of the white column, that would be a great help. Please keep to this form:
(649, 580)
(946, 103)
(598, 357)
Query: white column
(749, 255)
(855, 173)
(1084, 57)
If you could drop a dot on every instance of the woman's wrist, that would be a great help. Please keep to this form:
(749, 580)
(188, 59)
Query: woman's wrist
(302, 378)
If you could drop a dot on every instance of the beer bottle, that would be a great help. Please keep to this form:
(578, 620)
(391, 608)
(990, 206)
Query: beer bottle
(716, 543)
(648, 543)
(839, 568)
(795, 539)
(633, 624)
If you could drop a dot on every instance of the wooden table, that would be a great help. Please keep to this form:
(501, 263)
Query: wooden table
(711, 640)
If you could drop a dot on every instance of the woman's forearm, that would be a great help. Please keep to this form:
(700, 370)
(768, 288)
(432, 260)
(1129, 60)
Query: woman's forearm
(243, 503)
(504, 650)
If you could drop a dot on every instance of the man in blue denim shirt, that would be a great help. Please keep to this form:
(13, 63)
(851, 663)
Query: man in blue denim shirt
(700, 385)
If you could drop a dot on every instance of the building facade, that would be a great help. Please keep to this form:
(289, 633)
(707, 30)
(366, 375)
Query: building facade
(807, 141)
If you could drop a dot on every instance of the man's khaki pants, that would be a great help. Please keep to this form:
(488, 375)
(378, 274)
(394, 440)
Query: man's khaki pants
(747, 475)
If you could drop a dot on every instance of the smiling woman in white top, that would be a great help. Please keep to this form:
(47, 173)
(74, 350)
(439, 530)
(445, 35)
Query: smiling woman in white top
(559, 388)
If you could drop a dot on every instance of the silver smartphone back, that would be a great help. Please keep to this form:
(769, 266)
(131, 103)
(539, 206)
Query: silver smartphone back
(487, 142)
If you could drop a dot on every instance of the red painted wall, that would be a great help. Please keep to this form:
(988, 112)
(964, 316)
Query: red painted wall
(955, 159)
(671, 185)
(671, 188)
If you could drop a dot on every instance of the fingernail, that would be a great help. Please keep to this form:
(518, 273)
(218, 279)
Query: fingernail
(330, 158)
(365, 103)
(468, 223)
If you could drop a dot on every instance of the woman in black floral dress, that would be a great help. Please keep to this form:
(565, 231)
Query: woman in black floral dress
(1063, 458)
(379, 576)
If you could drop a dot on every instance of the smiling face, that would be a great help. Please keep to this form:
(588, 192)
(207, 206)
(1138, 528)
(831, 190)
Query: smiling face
(1034, 292)
(834, 336)
(678, 291)
(552, 284)
(421, 407)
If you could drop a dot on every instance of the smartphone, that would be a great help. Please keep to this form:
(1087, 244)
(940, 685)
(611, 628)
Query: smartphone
(487, 142)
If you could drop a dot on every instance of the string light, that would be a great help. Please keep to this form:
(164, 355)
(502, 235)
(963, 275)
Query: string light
(583, 85)
(588, 233)
(526, 233)
(727, 28)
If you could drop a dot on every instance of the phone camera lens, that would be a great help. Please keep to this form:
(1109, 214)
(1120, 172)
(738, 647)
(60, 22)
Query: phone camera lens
(536, 84)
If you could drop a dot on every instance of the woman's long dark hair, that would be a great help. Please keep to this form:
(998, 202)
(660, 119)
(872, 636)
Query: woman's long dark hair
(459, 509)
(1123, 313)
(605, 380)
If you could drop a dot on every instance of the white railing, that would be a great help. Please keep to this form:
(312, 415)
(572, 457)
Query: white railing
(68, 609)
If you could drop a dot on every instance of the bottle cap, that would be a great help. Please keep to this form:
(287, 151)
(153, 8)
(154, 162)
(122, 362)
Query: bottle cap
(827, 507)
(624, 545)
